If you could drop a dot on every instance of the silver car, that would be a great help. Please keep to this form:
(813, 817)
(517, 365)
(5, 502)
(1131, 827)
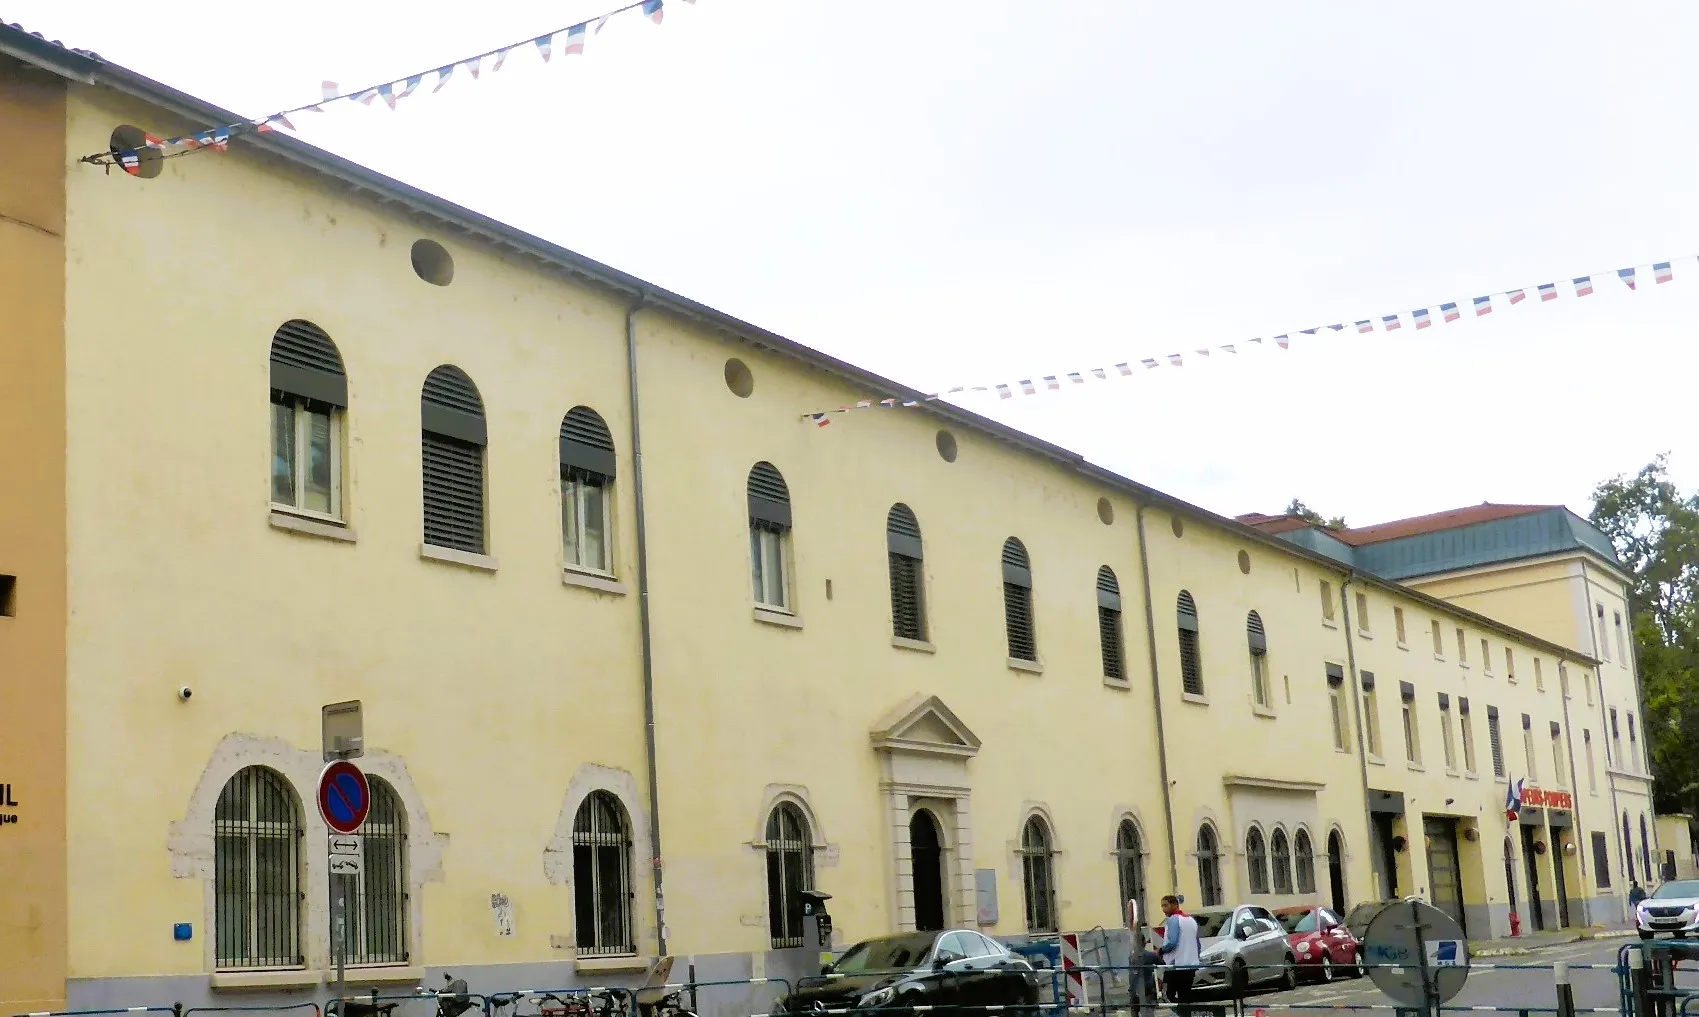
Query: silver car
(1249, 945)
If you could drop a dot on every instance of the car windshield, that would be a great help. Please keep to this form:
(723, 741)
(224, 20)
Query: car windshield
(1210, 922)
(1680, 889)
(895, 953)
(1301, 921)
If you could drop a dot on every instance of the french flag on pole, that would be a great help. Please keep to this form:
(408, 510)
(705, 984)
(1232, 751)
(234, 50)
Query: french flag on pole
(1366, 325)
(1391, 322)
(1548, 291)
(1420, 317)
(1449, 310)
(1627, 277)
(1483, 305)
(1512, 801)
(1583, 285)
(1661, 272)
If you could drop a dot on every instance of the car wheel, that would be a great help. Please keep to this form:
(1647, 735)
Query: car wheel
(1327, 967)
(1357, 969)
(1289, 976)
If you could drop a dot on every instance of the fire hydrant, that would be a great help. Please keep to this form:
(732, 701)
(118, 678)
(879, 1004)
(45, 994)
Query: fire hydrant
(1515, 924)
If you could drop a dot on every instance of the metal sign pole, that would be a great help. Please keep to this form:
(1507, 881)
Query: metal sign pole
(341, 951)
(1430, 991)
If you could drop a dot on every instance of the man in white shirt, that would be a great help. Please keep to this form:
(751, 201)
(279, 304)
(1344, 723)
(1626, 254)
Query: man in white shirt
(1179, 950)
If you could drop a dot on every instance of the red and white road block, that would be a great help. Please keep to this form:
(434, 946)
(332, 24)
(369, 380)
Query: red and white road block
(1072, 975)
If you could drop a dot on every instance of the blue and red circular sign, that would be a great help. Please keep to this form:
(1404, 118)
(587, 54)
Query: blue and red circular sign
(344, 797)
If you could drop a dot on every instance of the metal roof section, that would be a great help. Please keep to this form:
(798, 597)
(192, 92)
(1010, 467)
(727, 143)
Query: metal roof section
(89, 68)
(1549, 531)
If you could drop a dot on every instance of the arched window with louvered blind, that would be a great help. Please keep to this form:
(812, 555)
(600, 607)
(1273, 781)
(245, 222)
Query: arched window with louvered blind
(908, 584)
(309, 395)
(1191, 665)
(1257, 641)
(769, 537)
(1109, 625)
(1017, 601)
(453, 440)
(586, 490)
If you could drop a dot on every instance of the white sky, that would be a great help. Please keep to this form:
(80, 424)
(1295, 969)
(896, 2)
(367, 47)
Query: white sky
(959, 193)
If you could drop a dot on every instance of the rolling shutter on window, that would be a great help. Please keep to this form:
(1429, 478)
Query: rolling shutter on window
(586, 443)
(1017, 600)
(453, 439)
(769, 498)
(902, 545)
(306, 364)
(1254, 634)
(1191, 667)
(1407, 692)
(1109, 623)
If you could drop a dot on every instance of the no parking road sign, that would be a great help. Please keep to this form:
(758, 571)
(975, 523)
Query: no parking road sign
(344, 797)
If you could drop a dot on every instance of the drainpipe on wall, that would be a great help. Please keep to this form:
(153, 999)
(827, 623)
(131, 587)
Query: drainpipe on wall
(1354, 687)
(643, 623)
(1156, 694)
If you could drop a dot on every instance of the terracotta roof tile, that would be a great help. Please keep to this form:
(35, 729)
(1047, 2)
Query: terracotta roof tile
(91, 54)
(1435, 522)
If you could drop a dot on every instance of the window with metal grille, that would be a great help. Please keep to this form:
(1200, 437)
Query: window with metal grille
(1209, 867)
(1304, 855)
(1109, 636)
(1495, 738)
(1038, 875)
(908, 586)
(1017, 601)
(1191, 667)
(1129, 864)
(376, 899)
(1601, 860)
(1280, 861)
(309, 395)
(453, 437)
(769, 537)
(1256, 861)
(601, 876)
(1258, 644)
(790, 870)
(586, 486)
(257, 872)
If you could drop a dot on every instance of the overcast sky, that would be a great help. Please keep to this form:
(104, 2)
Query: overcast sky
(961, 193)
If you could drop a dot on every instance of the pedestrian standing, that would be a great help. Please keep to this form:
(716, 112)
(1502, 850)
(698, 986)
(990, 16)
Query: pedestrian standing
(1636, 893)
(1180, 948)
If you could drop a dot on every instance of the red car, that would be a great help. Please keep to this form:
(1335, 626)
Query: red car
(1321, 943)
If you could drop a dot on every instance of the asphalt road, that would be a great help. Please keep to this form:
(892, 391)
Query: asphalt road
(1512, 982)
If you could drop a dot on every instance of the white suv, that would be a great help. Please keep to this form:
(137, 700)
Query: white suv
(1672, 908)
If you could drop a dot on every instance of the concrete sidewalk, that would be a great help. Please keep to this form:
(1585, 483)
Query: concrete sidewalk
(1518, 945)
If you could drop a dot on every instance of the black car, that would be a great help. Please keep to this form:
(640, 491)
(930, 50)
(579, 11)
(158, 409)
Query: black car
(956, 967)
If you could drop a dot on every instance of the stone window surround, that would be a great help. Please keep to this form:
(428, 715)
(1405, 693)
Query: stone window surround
(557, 855)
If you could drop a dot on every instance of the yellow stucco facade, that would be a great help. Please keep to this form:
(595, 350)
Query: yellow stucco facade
(504, 688)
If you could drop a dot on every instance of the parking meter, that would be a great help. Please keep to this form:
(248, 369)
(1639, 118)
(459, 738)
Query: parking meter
(816, 922)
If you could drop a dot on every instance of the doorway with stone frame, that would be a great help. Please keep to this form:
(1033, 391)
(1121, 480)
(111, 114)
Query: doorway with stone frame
(923, 750)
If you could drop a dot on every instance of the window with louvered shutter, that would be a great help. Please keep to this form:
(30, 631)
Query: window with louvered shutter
(586, 478)
(769, 530)
(453, 438)
(309, 392)
(1017, 601)
(1191, 666)
(1109, 624)
(908, 597)
(1495, 738)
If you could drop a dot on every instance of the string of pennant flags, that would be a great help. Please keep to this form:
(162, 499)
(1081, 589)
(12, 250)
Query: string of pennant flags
(1420, 318)
(568, 41)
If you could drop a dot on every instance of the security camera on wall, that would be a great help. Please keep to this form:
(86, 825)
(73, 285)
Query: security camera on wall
(184, 692)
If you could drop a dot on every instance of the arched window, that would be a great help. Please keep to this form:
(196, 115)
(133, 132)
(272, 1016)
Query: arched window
(309, 395)
(908, 586)
(1209, 867)
(1191, 667)
(256, 879)
(1017, 601)
(1256, 861)
(1109, 624)
(377, 897)
(1646, 853)
(769, 537)
(790, 870)
(1304, 857)
(601, 876)
(1258, 643)
(586, 482)
(1129, 865)
(1628, 849)
(453, 438)
(1038, 874)
(1280, 861)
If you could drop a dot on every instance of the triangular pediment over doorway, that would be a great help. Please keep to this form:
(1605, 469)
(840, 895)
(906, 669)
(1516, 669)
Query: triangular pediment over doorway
(925, 725)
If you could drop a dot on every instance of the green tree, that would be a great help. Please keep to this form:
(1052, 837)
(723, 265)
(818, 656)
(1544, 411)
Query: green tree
(1655, 530)
(1310, 515)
